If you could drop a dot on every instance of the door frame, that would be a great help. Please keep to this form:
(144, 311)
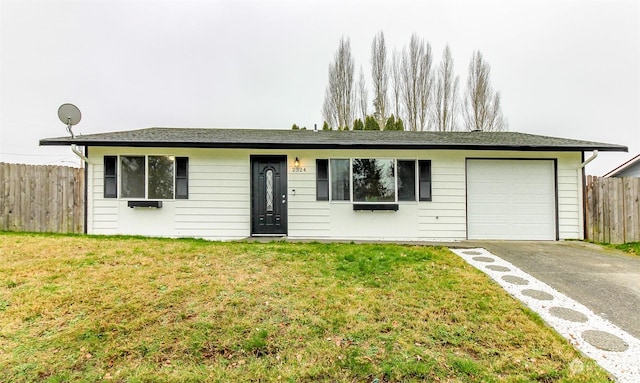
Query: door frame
(282, 202)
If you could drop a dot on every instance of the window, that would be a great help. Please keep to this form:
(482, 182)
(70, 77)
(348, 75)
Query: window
(374, 180)
(322, 180)
(110, 177)
(132, 170)
(406, 180)
(425, 180)
(340, 185)
(146, 177)
(160, 177)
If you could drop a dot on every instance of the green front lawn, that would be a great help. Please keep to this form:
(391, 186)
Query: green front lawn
(115, 309)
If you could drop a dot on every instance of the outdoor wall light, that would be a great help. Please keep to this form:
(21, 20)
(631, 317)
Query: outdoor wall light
(296, 163)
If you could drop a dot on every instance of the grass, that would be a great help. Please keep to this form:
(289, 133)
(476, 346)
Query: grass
(116, 309)
(631, 247)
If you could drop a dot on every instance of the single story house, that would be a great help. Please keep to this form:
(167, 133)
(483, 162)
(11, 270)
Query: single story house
(630, 168)
(225, 184)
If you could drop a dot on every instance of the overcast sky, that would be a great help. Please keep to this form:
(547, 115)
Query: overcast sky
(564, 68)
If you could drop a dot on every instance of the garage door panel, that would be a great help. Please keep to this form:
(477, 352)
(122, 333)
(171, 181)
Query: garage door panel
(511, 199)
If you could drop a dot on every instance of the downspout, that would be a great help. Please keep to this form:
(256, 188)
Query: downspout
(584, 191)
(86, 193)
(593, 157)
(77, 152)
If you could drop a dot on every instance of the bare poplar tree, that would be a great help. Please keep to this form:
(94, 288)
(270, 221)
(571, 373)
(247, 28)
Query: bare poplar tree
(445, 105)
(362, 96)
(481, 104)
(329, 113)
(396, 75)
(416, 82)
(338, 105)
(380, 77)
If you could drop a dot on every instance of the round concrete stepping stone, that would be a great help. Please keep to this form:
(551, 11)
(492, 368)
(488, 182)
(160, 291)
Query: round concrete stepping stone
(471, 252)
(604, 341)
(484, 259)
(537, 294)
(498, 268)
(568, 314)
(515, 280)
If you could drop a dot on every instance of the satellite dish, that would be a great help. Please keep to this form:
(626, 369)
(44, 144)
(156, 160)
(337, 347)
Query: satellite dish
(70, 115)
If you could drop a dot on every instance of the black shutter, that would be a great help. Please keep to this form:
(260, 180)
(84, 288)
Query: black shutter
(425, 179)
(110, 177)
(182, 177)
(322, 180)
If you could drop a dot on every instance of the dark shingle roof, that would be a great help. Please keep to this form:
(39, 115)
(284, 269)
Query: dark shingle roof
(308, 139)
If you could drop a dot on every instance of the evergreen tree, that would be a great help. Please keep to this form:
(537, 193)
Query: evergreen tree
(358, 124)
(399, 124)
(391, 123)
(295, 127)
(326, 126)
(371, 124)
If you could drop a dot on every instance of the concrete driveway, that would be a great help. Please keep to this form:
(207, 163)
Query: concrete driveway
(604, 280)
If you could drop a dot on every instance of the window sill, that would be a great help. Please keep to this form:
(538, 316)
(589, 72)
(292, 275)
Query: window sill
(375, 206)
(154, 204)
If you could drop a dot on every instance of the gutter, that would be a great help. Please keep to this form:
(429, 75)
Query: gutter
(331, 145)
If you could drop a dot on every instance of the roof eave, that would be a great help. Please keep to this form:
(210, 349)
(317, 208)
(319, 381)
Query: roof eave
(343, 145)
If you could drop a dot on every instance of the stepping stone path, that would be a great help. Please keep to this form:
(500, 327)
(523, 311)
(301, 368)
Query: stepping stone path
(614, 349)
(537, 294)
(568, 314)
(515, 280)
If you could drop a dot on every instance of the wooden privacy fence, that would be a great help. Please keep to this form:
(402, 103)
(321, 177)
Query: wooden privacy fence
(41, 198)
(613, 209)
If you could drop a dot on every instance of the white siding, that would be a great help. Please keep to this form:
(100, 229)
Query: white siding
(570, 194)
(308, 218)
(217, 208)
(219, 198)
(444, 217)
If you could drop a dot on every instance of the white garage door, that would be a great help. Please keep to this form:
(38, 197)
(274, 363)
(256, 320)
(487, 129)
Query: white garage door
(511, 199)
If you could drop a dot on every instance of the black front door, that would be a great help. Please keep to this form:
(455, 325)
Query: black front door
(268, 195)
